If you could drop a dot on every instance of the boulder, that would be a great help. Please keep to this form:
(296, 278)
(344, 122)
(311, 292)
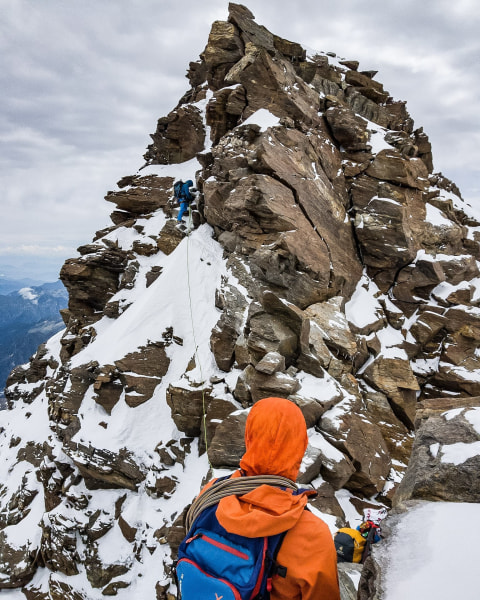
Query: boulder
(367, 86)
(390, 165)
(348, 129)
(428, 325)
(169, 237)
(228, 328)
(326, 501)
(17, 562)
(269, 334)
(321, 457)
(91, 281)
(314, 357)
(100, 573)
(447, 237)
(459, 268)
(249, 30)
(223, 50)
(104, 469)
(178, 137)
(331, 320)
(363, 443)
(279, 79)
(188, 405)
(462, 380)
(348, 577)
(320, 194)
(218, 410)
(59, 544)
(271, 363)
(228, 444)
(394, 377)
(446, 453)
(65, 394)
(415, 282)
(384, 234)
(108, 387)
(140, 195)
(253, 385)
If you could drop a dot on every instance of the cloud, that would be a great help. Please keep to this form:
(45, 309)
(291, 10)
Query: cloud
(33, 250)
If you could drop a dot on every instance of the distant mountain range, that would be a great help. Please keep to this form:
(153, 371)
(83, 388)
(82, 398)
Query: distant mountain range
(29, 315)
(8, 285)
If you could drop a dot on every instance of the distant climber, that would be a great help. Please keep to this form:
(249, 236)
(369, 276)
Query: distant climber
(183, 196)
(354, 545)
(304, 558)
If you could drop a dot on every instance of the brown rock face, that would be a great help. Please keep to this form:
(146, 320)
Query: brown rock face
(297, 210)
(188, 406)
(178, 138)
(363, 443)
(436, 472)
(91, 281)
(348, 129)
(395, 379)
(143, 195)
(106, 469)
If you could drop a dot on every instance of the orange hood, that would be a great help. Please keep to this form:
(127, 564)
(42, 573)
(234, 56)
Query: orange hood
(276, 440)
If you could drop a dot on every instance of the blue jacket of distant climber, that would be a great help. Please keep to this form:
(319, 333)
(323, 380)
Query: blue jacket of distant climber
(184, 197)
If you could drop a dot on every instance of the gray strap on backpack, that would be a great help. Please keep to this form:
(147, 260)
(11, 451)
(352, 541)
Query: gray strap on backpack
(238, 486)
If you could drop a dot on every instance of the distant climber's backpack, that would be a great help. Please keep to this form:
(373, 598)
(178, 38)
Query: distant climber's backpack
(353, 545)
(178, 191)
(349, 544)
(213, 563)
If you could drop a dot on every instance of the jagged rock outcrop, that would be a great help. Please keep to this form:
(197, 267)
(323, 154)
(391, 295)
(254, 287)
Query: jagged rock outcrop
(324, 262)
(445, 455)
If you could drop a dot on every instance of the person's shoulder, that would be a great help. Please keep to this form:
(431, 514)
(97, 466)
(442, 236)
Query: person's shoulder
(309, 536)
(311, 523)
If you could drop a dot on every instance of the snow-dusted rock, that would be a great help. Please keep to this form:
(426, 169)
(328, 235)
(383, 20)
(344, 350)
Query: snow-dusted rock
(446, 453)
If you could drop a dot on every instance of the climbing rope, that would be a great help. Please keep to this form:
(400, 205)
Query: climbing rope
(238, 486)
(197, 357)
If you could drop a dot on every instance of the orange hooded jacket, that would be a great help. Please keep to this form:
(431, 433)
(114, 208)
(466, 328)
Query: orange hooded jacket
(276, 440)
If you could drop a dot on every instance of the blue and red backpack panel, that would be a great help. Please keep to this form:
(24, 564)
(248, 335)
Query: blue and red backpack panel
(213, 563)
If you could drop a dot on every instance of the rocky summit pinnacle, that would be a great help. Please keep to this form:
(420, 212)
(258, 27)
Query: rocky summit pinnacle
(323, 260)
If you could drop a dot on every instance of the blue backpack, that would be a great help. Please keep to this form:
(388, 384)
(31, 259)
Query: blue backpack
(213, 563)
(177, 190)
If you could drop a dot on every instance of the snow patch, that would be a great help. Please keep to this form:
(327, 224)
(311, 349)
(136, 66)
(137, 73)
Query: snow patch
(418, 565)
(264, 118)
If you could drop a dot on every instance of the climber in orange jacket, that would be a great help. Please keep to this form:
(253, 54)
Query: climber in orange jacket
(276, 440)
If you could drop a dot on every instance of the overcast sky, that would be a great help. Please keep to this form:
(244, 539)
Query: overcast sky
(83, 83)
